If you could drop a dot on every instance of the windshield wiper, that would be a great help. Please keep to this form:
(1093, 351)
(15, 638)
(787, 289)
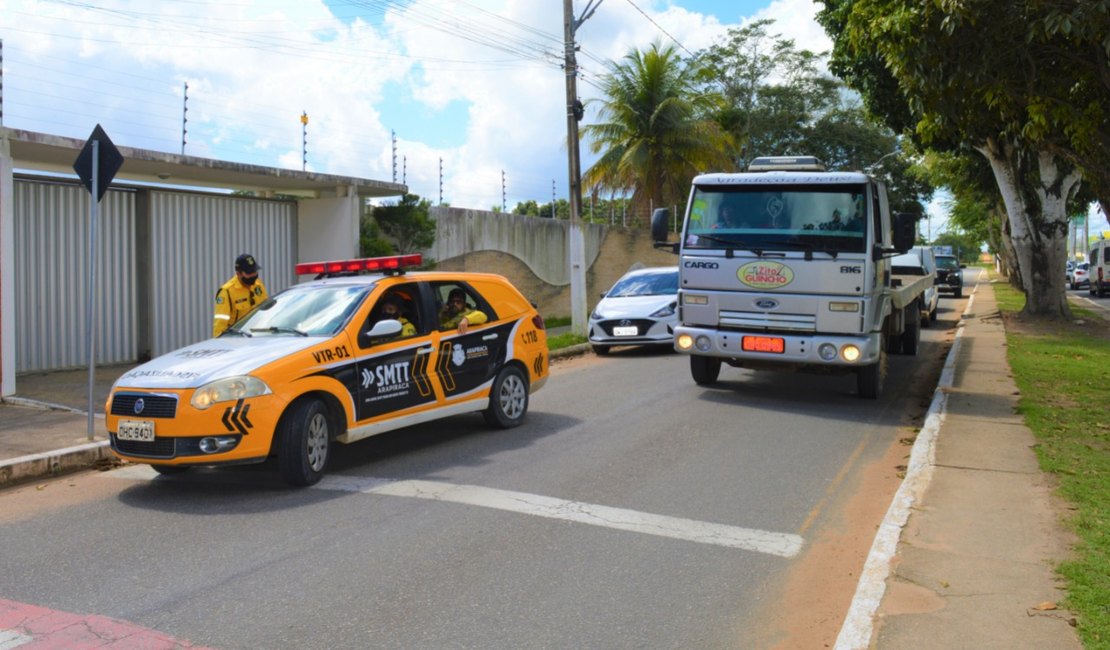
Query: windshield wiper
(279, 330)
(731, 245)
(236, 332)
(808, 248)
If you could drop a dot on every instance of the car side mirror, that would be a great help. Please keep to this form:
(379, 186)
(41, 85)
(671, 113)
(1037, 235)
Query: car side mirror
(385, 328)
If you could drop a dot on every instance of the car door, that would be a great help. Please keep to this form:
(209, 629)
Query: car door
(467, 363)
(394, 374)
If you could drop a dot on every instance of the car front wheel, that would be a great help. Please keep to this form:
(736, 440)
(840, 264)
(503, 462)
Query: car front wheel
(508, 400)
(304, 439)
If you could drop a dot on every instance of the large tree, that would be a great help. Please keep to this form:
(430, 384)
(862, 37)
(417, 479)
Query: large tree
(778, 101)
(995, 76)
(654, 130)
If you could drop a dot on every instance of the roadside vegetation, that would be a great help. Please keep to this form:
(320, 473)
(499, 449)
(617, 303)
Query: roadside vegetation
(1062, 369)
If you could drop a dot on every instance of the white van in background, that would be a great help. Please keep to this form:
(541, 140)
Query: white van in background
(1099, 279)
(920, 260)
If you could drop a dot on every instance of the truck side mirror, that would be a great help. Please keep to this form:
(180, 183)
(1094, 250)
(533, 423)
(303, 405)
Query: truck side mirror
(660, 224)
(905, 231)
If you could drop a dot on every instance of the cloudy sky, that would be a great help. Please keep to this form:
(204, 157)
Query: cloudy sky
(462, 100)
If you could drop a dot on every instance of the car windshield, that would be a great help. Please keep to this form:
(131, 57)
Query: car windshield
(304, 311)
(646, 284)
(947, 263)
(822, 217)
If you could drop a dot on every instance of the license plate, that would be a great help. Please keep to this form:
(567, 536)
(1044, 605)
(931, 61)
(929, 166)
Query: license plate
(140, 430)
(628, 330)
(763, 344)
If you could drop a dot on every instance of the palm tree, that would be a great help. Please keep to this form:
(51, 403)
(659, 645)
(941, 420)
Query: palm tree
(654, 130)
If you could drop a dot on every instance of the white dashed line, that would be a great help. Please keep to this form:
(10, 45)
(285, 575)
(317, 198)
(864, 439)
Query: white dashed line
(748, 539)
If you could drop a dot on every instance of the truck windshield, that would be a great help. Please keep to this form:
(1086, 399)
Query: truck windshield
(831, 218)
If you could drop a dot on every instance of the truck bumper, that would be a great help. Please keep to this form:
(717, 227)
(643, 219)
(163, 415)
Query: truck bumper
(796, 349)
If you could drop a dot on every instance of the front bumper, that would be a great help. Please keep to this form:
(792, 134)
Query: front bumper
(798, 349)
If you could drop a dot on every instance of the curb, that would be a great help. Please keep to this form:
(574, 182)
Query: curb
(52, 463)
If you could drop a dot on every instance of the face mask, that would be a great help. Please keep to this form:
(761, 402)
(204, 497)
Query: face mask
(249, 281)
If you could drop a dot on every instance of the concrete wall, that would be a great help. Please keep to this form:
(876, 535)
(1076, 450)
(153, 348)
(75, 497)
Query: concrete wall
(327, 229)
(532, 252)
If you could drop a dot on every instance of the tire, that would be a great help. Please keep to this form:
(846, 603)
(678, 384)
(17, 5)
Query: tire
(933, 314)
(911, 335)
(1101, 290)
(304, 442)
(959, 292)
(869, 379)
(170, 470)
(892, 343)
(508, 399)
(705, 370)
(600, 350)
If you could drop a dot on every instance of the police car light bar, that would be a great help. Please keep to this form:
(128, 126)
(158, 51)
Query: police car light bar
(371, 264)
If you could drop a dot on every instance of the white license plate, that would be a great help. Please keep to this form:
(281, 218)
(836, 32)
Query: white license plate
(141, 430)
(629, 330)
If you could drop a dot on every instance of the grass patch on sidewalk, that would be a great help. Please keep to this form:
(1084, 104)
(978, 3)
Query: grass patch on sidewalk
(1063, 372)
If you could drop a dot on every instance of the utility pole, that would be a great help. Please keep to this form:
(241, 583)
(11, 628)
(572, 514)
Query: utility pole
(393, 137)
(304, 140)
(576, 240)
(502, 190)
(184, 114)
(441, 181)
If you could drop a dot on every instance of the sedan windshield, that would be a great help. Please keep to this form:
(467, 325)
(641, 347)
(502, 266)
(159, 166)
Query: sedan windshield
(646, 284)
(304, 311)
(947, 263)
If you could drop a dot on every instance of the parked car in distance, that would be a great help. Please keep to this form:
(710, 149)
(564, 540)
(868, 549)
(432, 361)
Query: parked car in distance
(950, 276)
(1098, 271)
(1080, 277)
(920, 260)
(640, 309)
(1068, 270)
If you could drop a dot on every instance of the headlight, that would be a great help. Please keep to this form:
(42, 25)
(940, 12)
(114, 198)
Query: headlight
(595, 315)
(226, 390)
(665, 311)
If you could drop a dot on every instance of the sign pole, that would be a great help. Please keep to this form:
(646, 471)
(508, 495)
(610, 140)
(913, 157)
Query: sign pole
(90, 322)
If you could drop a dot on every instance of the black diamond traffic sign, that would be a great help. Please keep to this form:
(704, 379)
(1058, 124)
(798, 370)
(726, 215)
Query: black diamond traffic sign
(108, 162)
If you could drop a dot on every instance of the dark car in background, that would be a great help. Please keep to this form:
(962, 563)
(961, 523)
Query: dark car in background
(950, 276)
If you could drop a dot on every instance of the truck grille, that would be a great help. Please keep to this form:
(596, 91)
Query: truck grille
(768, 322)
(154, 406)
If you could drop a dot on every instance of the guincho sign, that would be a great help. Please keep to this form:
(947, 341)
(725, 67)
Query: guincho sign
(765, 275)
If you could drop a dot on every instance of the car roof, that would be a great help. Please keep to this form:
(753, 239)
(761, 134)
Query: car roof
(651, 270)
(415, 276)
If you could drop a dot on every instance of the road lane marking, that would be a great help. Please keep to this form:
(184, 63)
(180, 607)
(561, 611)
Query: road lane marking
(702, 532)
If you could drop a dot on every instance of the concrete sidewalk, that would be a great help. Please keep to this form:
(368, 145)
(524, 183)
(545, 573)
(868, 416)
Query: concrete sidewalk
(968, 563)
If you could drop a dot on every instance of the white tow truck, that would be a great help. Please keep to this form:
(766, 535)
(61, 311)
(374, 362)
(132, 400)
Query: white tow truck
(787, 266)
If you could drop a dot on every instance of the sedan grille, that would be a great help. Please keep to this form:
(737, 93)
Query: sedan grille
(154, 406)
(642, 324)
(157, 448)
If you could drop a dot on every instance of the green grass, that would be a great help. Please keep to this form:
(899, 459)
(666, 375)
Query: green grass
(556, 321)
(564, 341)
(1064, 379)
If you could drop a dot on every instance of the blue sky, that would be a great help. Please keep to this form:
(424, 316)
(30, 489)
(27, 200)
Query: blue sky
(392, 88)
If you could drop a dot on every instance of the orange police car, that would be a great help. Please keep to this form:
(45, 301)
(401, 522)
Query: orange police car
(358, 351)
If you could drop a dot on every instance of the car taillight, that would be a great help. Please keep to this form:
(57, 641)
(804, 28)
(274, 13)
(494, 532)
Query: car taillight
(537, 320)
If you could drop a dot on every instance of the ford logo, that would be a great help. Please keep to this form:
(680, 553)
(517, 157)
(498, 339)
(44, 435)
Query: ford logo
(139, 406)
(766, 303)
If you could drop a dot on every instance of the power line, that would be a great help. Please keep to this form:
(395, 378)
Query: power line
(657, 26)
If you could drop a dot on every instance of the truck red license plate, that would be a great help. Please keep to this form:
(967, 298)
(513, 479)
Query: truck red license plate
(763, 344)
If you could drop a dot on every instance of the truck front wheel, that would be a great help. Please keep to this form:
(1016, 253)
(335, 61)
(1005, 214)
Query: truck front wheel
(869, 379)
(705, 370)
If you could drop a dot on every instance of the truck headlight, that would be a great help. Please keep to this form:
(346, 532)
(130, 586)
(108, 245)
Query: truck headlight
(850, 353)
(228, 389)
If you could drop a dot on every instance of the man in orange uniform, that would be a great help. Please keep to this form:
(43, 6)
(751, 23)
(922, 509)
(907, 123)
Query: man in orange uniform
(238, 295)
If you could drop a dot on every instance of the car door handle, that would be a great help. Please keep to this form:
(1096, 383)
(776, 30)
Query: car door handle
(427, 350)
(489, 337)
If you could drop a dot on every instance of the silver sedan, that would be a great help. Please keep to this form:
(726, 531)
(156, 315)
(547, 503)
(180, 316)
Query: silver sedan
(640, 309)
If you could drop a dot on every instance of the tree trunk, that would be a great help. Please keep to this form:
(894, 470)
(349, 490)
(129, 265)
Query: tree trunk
(1036, 205)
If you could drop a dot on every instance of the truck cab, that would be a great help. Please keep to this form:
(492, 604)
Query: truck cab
(787, 265)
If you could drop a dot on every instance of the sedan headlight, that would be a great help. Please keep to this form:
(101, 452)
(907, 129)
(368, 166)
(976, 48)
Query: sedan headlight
(665, 311)
(596, 315)
(228, 389)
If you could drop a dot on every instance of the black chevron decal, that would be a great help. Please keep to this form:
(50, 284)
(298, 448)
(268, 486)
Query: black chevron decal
(235, 418)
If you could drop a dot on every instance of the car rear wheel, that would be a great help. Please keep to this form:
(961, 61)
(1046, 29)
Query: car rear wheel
(705, 370)
(508, 400)
(304, 436)
(601, 350)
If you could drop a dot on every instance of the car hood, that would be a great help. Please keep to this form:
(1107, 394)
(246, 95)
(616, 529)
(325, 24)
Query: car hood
(200, 363)
(632, 306)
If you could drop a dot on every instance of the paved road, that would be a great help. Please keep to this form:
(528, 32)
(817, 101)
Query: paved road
(634, 509)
